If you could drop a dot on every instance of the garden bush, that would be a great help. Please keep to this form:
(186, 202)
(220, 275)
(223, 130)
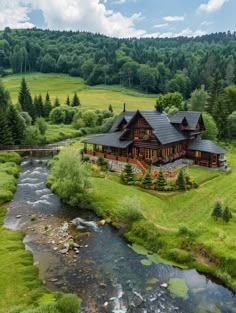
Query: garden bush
(130, 210)
(68, 304)
(180, 255)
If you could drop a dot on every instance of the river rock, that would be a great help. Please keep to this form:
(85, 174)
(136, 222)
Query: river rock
(106, 304)
(101, 223)
(64, 251)
(18, 216)
(164, 285)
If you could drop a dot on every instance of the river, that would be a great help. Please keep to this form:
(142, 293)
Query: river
(104, 271)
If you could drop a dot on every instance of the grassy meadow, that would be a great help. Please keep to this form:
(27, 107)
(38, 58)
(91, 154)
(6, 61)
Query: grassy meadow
(61, 86)
(169, 212)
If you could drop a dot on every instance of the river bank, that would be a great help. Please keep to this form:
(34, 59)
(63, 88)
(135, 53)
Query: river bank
(184, 237)
(108, 274)
(20, 285)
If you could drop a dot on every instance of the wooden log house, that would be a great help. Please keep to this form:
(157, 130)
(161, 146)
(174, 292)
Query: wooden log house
(151, 137)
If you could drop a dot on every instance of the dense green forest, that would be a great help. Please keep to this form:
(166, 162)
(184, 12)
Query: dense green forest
(154, 65)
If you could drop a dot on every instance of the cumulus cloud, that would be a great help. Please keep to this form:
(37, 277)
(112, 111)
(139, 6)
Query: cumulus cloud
(212, 5)
(185, 32)
(14, 15)
(173, 18)
(84, 15)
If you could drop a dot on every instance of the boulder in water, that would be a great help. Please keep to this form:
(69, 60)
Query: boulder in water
(164, 285)
(101, 223)
(18, 216)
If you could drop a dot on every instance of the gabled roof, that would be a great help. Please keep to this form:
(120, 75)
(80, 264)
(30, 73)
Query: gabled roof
(206, 146)
(164, 131)
(123, 116)
(191, 117)
(109, 140)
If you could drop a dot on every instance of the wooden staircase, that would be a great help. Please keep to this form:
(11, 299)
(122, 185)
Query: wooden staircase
(142, 165)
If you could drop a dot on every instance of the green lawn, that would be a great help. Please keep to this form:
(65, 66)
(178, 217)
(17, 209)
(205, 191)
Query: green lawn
(61, 86)
(192, 208)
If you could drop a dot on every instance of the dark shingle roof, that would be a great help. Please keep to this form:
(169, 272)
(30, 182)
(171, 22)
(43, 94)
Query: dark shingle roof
(163, 129)
(191, 117)
(205, 146)
(109, 140)
(123, 116)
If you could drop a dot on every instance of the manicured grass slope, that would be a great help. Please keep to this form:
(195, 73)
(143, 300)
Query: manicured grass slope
(192, 208)
(61, 86)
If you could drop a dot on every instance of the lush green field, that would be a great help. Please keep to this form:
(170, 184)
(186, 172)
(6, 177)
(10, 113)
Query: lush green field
(61, 86)
(192, 209)
(60, 132)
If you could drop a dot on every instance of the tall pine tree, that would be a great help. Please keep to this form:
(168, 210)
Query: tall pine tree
(180, 181)
(16, 125)
(5, 132)
(75, 101)
(214, 95)
(56, 103)
(47, 106)
(68, 101)
(25, 100)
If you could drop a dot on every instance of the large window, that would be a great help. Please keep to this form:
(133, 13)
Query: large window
(198, 154)
(167, 152)
(136, 133)
(148, 154)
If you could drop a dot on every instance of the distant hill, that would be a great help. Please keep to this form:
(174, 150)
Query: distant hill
(153, 65)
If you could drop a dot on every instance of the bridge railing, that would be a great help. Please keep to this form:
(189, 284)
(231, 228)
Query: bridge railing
(28, 147)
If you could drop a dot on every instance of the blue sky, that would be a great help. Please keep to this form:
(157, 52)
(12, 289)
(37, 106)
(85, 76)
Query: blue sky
(122, 18)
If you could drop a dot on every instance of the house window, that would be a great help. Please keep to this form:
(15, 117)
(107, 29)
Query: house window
(148, 154)
(141, 121)
(167, 152)
(148, 132)
(136, 133)
(198, 154)
(178, 148)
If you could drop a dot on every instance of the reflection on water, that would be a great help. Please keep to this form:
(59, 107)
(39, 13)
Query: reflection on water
(105, 272)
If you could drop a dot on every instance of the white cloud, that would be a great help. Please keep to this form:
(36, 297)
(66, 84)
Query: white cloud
(161, 25)
(14, 15)
(206, 23)
(119, 1)
(85, 15)
(173, 18)
(212, 5)
(186, 33)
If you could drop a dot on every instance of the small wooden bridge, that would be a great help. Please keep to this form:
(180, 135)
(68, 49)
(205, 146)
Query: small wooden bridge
(30, 148)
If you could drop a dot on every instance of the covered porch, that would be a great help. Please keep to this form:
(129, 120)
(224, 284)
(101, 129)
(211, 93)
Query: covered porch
(207, 153)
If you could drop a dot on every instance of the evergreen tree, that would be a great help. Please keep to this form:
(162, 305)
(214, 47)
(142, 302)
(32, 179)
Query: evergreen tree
(226, 215)
(217, 211)
(161, 181)
(38, 102)
(127, 175)
(180, 181)
(75, 101)
(25, 100)
(16, 125)
(47, 106)
(147, 181)
(68, 101)
(4, 97)
(214, 95)
(110, 108)
(5, 132)
(56, 103)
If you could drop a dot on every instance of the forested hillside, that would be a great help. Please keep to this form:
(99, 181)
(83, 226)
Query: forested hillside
(154, 65)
